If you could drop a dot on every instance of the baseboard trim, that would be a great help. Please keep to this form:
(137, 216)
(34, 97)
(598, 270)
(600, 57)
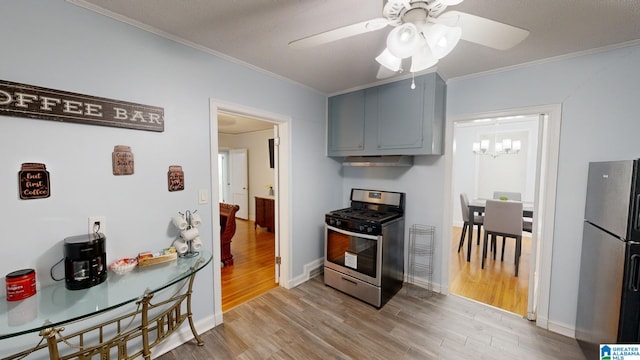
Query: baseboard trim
(562, 329)
(184, 335)
(311, 270)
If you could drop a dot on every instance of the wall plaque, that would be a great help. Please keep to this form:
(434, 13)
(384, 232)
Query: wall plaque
(34, 181)
(41, 103)
(176, 178)
(122, 159)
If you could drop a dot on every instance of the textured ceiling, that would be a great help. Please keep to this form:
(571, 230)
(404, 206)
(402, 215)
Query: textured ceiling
(234, 125)
(257, 32)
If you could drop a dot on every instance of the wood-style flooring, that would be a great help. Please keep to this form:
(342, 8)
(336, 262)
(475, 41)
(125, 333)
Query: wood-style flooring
(313, 321)
(253, 269)
(496, 284)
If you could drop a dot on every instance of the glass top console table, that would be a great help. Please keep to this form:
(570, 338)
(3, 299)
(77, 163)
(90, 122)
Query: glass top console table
(54, 306)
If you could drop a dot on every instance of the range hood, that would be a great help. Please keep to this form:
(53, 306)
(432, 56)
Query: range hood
(381, 160)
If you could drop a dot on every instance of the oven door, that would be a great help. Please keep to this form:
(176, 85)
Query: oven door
(354, 254)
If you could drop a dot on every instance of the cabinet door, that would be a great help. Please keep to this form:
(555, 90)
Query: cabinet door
(269, 216)
(400, 117)
(346, 124)
(259, 211)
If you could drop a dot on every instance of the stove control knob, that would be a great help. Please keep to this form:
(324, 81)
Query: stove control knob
(361, 227)
(331, 221)
(338, 222)
(369, 229)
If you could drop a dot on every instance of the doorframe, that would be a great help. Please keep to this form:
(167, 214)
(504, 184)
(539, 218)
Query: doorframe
(545, 204)
(282, 229)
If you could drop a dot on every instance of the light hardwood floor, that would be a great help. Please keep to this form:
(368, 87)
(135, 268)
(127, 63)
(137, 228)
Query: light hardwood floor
(496, 284)
(313, 321)
(253, 270)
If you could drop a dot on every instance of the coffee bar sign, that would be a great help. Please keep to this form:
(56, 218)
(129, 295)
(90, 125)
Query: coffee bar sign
(41, 103)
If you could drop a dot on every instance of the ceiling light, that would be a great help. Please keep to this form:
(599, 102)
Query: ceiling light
(504, 147)
(422, 59)
(389, 61)
(441, 38)
(404, 40)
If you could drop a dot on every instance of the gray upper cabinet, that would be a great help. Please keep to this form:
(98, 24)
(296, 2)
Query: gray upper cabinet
(390, 119)
(346, 133)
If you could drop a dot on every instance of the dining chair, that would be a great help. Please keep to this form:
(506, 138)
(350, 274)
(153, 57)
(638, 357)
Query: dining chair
(527, 225)
(478, 220)
(516, 196)
(503, 218)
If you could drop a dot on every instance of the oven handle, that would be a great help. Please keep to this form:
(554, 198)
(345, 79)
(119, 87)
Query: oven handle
(350, 233)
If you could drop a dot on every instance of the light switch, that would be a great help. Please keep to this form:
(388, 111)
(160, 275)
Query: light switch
(203, 196)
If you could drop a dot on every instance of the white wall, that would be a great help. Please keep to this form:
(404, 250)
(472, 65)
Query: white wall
(57, 45)
(260, 174)
(468, 175)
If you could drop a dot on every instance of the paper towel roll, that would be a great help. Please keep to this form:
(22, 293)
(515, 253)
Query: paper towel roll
(196, 220)
(179, 222)
(189, 234)
(181, 246)
(196, 243)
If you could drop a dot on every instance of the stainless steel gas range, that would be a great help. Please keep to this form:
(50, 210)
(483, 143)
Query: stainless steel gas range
(364, 246)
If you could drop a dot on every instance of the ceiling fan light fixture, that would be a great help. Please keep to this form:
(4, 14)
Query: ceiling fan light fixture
(388, 60)
(404, 40)
(422, 59)
(442, 38)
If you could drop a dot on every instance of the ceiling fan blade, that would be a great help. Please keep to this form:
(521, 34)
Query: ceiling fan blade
(384, 72)
(339, 33)
(483, 31)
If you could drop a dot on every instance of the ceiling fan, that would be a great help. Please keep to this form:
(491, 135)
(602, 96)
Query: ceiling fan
(423, 32)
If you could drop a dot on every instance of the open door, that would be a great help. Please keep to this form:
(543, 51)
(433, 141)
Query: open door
(239, 181)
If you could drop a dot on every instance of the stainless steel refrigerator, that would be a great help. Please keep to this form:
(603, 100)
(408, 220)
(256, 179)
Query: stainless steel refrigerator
(608, 296)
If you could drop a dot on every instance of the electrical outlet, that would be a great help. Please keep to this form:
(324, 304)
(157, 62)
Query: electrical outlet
(98, 224)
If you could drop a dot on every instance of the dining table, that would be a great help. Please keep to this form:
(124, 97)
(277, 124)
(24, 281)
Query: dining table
(476, 206)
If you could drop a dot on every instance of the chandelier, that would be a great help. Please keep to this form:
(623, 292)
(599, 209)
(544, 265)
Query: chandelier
(504, 147)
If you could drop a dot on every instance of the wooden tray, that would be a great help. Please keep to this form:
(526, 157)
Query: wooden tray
(157, 259)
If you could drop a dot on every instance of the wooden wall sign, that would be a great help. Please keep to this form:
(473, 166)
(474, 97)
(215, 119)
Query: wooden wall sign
(176, 178)
(41, 103)
(122, 159)
(34, 181)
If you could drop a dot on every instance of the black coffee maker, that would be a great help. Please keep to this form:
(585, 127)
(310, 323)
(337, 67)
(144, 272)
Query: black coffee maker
(85, 261)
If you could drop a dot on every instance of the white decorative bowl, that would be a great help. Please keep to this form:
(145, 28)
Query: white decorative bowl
(123, 266)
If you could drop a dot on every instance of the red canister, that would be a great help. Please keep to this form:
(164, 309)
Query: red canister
(21, 284)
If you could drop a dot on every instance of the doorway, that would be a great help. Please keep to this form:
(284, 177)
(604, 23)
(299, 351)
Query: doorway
(549, 119)
(249, 173)
(256, 126)
(482, 165)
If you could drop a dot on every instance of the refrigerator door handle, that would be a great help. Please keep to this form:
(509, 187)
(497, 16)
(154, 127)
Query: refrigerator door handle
(634, 279)
(636, 216)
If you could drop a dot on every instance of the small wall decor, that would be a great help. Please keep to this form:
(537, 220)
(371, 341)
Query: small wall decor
(176, 178)
(36, 102)
(34, 181)
(122, 159)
